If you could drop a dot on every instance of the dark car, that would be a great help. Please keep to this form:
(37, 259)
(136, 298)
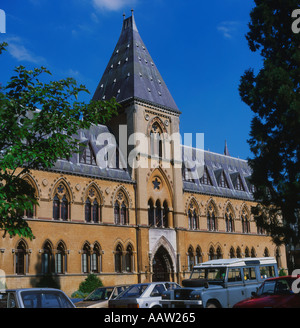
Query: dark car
(273, 293)
(34, 298)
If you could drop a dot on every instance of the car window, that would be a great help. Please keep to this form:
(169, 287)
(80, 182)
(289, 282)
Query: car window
(282, 287)
(11, 301)
(249, 274)
(45, 299)
(3, 300)
(267, 288)
(267, 271)
(170, 286)
(234, 274)
(99, 294)
(134, 291)
(157, 290)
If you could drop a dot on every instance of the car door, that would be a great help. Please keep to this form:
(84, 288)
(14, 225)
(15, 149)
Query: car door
(250, 281)
(235, 286)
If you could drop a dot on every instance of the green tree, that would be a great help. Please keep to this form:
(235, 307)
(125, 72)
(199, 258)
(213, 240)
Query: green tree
(38, 122)
(274, 97)
(90, 283)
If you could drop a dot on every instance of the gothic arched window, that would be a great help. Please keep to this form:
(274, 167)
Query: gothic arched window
(60, 259)
(151, 213)
(47, 254)
(129, 259)
(85, 258)
(245, 222)
(93, 209)
(193, 216)
(61, 203)
(211, 219)
(121, 213)
(20, 258)
(229, 220)
(156, 140)
(118, 259)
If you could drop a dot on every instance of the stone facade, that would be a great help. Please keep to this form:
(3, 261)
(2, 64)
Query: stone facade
(137, 224)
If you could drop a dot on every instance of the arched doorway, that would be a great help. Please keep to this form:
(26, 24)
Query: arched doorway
(162, 266)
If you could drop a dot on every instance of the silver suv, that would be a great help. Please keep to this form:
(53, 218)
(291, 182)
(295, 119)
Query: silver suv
(221, 283)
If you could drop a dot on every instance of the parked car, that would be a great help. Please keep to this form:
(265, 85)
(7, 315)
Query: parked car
(99, 297)
(145, 295)
(221, 283)
(34, 298)
(273, 293)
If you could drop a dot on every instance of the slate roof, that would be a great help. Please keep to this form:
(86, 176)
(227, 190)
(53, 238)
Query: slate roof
(216, 164)
(100, 170)
(132, 74)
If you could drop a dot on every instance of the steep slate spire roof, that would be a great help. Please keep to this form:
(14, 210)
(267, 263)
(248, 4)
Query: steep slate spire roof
(131, 73)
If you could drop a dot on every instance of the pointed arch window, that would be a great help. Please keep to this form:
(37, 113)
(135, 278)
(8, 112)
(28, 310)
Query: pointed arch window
(198, 258)
(158, 214)
(247, 252)
(60, 259)
(96, 259)
(129, 259)
(232, 253)
(190, 259)
(238, 253)
(229, 222)
(30, 212)
(165, 220)
(118, 259)
(121, 214)
(85, 258)
(193, 217)
(219, 253)
(21, 258)
(211, 219)
(47, 255)
(93, 208)
(151, 213)
(61, 204)
(156, 140)
(245, 222)
(211, 253)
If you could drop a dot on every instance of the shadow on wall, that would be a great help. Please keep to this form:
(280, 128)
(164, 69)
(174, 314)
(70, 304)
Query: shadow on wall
(45, 272)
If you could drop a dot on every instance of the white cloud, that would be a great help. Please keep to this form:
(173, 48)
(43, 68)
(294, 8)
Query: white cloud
(228, 29)
(112, 5)
(17, 49)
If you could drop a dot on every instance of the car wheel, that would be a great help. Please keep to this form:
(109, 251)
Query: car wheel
(211, 305)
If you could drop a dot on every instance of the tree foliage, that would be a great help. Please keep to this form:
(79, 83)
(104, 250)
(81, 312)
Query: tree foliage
(38, 124)
(273, 96)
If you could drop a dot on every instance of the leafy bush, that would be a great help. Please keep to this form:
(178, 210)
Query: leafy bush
(90, 283)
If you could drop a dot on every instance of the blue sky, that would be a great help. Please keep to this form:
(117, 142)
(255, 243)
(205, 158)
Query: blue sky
(198, 46)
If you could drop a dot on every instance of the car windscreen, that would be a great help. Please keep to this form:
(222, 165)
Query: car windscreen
(133, 291)
(100, 294)
(210, 274)
(45, 299)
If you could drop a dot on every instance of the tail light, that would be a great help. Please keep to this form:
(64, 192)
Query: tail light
(133, 306)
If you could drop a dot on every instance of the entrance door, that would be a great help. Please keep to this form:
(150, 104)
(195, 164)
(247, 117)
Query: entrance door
(162, 266)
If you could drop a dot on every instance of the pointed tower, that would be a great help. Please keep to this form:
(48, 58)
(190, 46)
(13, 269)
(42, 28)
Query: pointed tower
(147, 109)
(131, 73)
